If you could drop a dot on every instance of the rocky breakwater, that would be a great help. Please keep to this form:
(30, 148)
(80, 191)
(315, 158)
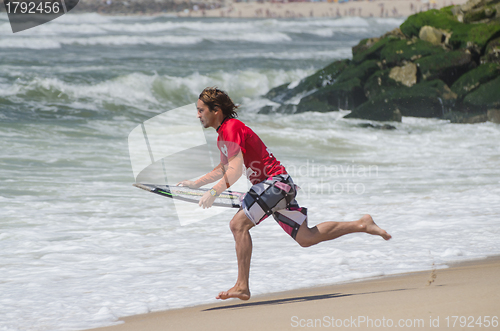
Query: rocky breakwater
(439, 63)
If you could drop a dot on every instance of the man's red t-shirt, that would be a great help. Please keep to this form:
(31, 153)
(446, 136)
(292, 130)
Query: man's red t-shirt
(260, 163)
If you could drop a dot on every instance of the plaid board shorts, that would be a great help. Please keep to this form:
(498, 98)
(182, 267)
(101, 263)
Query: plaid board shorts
(275, 196)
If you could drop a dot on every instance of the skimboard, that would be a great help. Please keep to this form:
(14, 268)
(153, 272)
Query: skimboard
(225, 199)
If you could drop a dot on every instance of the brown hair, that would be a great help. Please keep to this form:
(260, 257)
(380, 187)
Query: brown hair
(213, 97)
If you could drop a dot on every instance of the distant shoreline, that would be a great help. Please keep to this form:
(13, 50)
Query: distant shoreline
(362, 8)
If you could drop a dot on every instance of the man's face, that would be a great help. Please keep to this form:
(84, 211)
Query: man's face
(206, 116)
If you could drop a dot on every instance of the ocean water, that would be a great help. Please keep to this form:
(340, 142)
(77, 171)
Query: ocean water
(80, 247)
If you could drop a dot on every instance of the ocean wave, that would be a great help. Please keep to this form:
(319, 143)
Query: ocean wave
(95, 23)
(138, 27)
(389, 21)
(339, 53)
(84, 24)
(318, 22)
(252, 37)
(137, 92)
(94, 29)
(132, 89)
(199, 26)
(243, 83)
(71, 23)
(132, 40)
(53, 43)
(29, 43)
(348, 22)
(127, 40)
(179, 40)
(330, 32)
(57, 29)
(5, 28)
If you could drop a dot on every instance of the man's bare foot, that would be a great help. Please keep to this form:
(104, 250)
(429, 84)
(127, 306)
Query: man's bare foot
(370, 227)
(234, 292)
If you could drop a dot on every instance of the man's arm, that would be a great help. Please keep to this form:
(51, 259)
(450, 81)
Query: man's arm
(232, 172)
(211, 177)
(230, 176)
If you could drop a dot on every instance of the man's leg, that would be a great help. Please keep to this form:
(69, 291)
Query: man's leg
(240, 226)
(330, 230)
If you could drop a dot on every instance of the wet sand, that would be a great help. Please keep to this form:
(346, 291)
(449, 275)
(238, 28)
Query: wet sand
(442, 299)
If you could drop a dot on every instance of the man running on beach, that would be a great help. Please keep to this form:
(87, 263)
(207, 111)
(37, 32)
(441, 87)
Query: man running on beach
(273, 191)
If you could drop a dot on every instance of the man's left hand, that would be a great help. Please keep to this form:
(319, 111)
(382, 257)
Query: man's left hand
(206, 200)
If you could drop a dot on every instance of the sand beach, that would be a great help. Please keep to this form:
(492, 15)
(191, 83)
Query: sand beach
(463, 296)
(265, 9)
(377, 8)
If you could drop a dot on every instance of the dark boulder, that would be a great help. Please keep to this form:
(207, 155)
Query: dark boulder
(377, 109)
(373, 52)
(344, 95)
(377, 126)
(478, 14)
(494, 115)
(486, 96)
(447, 67)
(364, 45)
(282, 109)
(474, 78)
(379, 83)
(346, 92)
(427, 99)
(441, 19)
(399, 51)
(474, 37)
(323, 77)
(338, 86)
(279, 93)
(492, 52)
(361, 71)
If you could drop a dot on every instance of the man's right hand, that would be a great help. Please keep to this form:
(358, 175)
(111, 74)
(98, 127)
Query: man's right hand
(188, 183)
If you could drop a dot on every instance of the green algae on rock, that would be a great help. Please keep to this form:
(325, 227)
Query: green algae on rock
(486, 96)
(427, 99)
(409, 71)
(471, 80)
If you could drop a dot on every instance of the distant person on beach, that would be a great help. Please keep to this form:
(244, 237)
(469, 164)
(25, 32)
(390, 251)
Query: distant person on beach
(273, 191)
